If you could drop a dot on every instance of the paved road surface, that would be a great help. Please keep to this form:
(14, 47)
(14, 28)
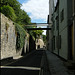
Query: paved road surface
(29, 65)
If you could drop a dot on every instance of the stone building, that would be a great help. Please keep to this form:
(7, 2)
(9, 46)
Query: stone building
(62, 33)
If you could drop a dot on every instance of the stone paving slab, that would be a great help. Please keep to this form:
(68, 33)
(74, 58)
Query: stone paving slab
(56, 65)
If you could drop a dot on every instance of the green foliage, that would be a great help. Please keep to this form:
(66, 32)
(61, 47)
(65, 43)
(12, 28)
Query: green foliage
(20, 36)
(44, 38)
(22, 17)
(13, 3)
(9, 12)
(38, 32)
(12, 9)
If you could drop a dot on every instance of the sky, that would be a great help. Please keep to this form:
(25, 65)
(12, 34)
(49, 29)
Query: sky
(38, 10)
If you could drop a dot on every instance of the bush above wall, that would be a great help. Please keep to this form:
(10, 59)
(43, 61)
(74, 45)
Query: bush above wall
(9, 12)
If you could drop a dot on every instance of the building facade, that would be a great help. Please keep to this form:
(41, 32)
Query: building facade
(49, 32)
(62, 33)
(39, 42)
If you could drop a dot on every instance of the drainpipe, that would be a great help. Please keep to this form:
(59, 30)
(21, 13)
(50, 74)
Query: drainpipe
(74, 28)
(58, 25)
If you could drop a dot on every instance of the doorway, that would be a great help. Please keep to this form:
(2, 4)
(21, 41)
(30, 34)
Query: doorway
(71, 42)
(38, 46)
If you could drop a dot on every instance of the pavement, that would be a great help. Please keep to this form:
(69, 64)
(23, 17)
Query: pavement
(56, 65)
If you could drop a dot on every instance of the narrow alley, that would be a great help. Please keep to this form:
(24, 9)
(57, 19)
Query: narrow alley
(37, 37)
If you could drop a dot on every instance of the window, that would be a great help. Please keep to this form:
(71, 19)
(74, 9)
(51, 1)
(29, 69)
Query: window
(38, 46)
(62, 15)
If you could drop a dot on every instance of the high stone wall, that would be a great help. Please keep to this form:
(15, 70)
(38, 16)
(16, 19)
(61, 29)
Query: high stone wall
(8, 37)
(8, 40)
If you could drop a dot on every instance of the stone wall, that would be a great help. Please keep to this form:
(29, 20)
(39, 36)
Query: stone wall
(26, 46)
(23, 50)
(8, 38)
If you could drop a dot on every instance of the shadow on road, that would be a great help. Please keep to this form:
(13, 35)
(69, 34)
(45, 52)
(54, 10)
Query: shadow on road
(33, 60)
(18, 72)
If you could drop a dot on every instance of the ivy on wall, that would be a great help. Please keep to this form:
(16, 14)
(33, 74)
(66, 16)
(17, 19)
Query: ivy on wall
(21, 34)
